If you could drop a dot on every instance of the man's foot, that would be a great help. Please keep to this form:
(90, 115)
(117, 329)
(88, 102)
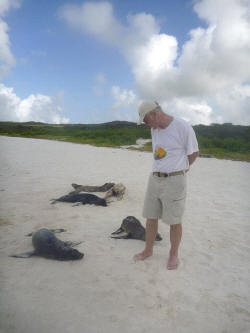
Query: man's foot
(173, 263)
(143, 255)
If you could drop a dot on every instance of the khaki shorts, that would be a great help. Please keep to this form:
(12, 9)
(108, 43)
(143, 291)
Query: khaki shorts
(165, 198)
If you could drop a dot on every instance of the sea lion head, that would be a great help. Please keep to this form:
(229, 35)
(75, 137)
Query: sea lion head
(101, 202)
(69, 253)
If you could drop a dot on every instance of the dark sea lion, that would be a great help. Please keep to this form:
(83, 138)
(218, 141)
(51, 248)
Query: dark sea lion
(132, 228)
(84, 198)
(89, 188)
(48, 246)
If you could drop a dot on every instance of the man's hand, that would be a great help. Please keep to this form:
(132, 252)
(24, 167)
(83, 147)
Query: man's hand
(192, 157)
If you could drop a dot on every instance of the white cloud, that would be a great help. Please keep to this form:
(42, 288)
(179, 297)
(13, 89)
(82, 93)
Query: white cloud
(125, 102)
(94, 18)
(193, 110)
(213, 65)
(7, 60)
(38, 107)
(123, 97)
(233, 100)
(6, 5)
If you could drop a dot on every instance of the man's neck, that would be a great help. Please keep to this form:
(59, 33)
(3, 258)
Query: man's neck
(166, 121)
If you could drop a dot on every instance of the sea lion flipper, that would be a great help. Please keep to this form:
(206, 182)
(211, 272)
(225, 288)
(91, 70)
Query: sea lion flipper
(24, 255)
(72, 244)
(124, 236)
(77, 204)
(53, 201)
(118, 231)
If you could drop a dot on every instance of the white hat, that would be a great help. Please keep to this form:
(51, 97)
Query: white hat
(145, 108)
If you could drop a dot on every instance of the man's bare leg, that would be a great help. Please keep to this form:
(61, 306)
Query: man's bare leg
(175, 239)
(151, 231)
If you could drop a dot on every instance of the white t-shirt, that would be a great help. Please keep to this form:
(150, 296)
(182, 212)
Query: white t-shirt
(171, 146)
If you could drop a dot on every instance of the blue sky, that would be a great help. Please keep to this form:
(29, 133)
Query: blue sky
(95, 61)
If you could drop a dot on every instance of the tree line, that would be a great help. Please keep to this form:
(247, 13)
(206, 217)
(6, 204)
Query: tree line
(220, 140)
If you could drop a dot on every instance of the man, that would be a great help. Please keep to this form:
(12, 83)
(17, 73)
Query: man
(175, 148)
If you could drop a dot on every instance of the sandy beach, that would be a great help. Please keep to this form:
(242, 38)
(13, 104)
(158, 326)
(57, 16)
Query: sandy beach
(107, 291)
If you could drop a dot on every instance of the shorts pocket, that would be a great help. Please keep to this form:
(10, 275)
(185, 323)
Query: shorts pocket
(177, 206)
(178, 188)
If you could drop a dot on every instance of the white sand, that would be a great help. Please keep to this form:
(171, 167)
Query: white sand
(107, 291)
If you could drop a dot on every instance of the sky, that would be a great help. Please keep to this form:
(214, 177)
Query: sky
(75, 61)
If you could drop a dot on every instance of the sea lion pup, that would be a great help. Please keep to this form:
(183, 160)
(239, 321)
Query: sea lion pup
(83, 198)
(48, 246)
(116, 191)
(86, 188)
(132, 228)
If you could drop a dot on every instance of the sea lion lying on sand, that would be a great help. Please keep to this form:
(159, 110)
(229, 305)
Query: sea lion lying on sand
(48, 246)
(132, 228)
(83, 198)
(112, 189)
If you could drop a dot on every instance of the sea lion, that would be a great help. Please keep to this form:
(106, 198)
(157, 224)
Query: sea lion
(112, 189)
(132, 228)
(84, 198)
(89, 188)
(116, 191)
(48, 246)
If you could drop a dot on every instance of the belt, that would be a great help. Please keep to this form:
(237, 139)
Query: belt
(175, 173)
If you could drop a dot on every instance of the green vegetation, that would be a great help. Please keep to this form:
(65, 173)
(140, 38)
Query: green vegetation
(221, 141)
(224, 141)
(112, 134)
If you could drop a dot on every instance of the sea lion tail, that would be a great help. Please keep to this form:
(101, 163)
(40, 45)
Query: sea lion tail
(23, 255)
(53, 201)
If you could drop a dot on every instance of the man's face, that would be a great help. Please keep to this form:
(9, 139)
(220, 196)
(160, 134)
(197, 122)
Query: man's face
(151, 119)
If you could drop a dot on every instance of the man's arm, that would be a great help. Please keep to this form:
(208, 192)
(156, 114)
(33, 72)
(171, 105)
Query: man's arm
(192, 157)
